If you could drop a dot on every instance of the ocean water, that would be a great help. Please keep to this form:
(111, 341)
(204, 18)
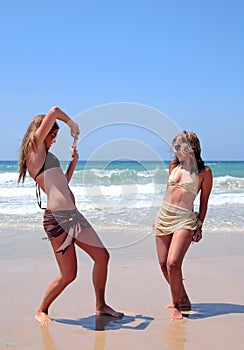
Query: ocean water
(121, 198)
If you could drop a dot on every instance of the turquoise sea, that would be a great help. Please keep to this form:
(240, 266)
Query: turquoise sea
(121, 198)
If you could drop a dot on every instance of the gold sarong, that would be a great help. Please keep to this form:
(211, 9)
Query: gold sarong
(172, 218)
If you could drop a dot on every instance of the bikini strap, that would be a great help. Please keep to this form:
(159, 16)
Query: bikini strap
(38, 196)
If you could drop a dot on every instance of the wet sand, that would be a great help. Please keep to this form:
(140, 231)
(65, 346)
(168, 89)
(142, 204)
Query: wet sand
(213, 272)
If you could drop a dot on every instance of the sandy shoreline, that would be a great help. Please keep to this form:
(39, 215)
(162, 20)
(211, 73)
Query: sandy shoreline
(214, 279)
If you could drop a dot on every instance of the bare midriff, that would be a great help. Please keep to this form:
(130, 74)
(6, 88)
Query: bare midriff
(54, 184)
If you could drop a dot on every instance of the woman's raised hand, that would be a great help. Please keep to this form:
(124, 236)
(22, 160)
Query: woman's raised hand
(74, 129)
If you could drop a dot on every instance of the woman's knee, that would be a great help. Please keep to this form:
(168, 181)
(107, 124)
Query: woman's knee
(106, 256)
(69, 277)
(173, 265)
(102, 256)
(163, 266)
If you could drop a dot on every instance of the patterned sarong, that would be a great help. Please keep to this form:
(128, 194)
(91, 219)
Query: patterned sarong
(70, 221)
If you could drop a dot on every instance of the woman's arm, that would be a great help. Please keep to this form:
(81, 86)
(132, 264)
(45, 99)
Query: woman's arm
(55, 113)
(206, 188)
(72, 165)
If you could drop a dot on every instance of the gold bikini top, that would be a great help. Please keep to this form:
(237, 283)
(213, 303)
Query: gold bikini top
(190, 181)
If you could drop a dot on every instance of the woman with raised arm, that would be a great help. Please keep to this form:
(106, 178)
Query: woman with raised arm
(177, 225)
(64, 224)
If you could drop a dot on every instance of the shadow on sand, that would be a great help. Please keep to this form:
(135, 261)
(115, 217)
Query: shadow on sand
(206, 310)
(105, 323)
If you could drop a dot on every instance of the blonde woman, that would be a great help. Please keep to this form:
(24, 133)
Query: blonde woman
(177, 225)
(64, 224)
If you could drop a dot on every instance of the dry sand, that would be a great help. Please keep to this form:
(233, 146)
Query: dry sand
(213, 272)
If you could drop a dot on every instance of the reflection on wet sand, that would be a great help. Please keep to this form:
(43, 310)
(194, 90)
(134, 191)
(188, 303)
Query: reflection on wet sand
(175, 335)
(47, 340)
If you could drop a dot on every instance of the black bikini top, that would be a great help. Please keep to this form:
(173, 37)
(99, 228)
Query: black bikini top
(51, 161)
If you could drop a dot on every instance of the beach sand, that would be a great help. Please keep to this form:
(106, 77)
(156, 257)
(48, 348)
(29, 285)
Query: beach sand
(213, 272)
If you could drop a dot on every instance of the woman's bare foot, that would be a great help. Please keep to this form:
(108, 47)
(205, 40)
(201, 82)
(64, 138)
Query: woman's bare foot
(107, 310)
(42, 318)
(176, 315)
(183, 306)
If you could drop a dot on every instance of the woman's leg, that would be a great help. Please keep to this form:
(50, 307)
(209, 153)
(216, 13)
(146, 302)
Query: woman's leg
(89, 241)
(163, 245)
(68, 270)
(179, 245)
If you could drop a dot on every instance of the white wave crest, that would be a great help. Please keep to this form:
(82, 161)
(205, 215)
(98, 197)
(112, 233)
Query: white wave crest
(228, 182)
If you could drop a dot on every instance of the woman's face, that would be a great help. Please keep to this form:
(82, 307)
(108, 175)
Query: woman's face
(181, 151)
(51, 138)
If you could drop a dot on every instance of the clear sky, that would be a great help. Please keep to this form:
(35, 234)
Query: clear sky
(183, 58)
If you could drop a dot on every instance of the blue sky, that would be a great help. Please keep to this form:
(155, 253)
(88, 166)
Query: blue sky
(183, 58)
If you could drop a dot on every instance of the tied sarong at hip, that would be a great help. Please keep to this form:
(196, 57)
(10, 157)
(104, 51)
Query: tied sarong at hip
(172, 218)
(70, 221)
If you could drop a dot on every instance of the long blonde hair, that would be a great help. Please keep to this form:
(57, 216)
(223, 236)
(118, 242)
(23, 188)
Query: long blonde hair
(28, 138)
(192, 143)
